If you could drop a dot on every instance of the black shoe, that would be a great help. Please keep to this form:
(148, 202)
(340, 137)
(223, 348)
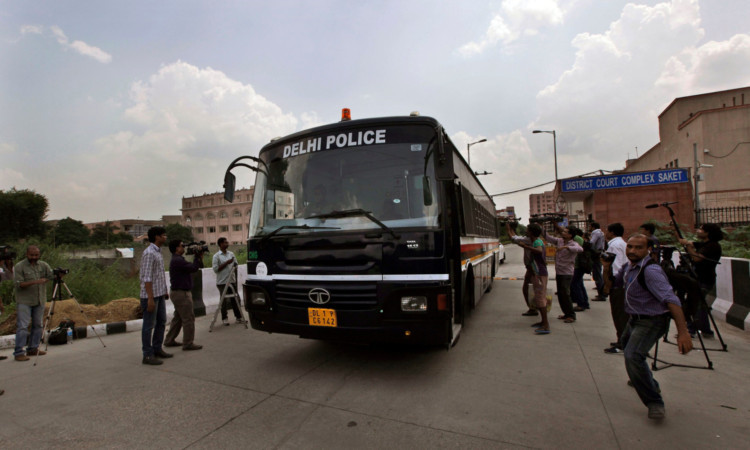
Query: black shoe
(173, 344)
(656, 411)
(192, 347)
(162, 354)
(599, 299)
(612, 350)
(531, 312)
(151, 360)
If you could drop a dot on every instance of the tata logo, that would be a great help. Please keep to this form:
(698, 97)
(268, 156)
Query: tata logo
(319, 296)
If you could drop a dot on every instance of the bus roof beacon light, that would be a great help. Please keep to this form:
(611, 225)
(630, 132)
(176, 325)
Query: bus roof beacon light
(346, 114)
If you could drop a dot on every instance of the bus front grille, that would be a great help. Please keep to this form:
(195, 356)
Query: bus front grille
(343, 295)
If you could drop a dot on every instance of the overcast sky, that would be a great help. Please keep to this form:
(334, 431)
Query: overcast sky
(117, 110)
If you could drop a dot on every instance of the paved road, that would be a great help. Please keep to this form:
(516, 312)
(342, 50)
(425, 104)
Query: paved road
(500, 387)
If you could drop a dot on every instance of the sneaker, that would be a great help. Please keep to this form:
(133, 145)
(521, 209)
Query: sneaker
(656, 411)
(612, 349)
(151, 361)
(225, 322)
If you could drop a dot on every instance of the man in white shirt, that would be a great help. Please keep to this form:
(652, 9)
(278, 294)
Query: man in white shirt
(223, 264)
(615, 245)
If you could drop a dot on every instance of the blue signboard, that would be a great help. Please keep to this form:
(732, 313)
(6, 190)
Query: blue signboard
(622, 180)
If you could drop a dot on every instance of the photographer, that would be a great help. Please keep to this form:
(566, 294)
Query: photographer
(528, 276)
(31, 277)
(612, 261)
(649, 302)
(181, 285)
(705, 254)
(223, 263)
(565, 257)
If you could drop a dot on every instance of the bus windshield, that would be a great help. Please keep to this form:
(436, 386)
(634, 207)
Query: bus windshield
(393, 182)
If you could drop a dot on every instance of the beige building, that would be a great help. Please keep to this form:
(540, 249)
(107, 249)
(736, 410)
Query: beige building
(708, 133)
(211, 217)
(543, 203)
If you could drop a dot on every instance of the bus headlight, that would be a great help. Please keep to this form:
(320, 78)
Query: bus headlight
(414, 304)
(257, 298)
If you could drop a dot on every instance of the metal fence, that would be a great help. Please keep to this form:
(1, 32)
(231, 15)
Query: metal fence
(732, 216)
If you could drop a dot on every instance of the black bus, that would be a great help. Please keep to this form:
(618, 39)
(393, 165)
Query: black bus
(372, 230)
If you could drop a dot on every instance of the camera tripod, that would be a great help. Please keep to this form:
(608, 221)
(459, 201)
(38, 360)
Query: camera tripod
(686, 264)
(227, 296)
(57, 296)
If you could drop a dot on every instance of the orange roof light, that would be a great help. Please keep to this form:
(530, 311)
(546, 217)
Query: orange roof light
(346, 114)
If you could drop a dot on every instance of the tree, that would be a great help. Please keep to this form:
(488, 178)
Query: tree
(123, 237)
(104, 234)
(177, 231)
(71, 231)
(22, 215)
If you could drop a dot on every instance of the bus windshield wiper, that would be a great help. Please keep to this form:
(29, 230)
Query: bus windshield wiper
(295, 227)
(354, 213)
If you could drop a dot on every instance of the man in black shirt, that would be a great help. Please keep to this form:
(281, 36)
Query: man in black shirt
(181, 284)
(705, 253)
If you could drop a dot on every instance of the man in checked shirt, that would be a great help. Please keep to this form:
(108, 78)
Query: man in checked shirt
(650, 303)
(153, 298)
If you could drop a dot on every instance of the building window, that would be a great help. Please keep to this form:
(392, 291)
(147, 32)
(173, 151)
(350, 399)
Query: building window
(236, 213)
(199, 216)
(210, 216)
(223, 215)
(212, 229)
(237, 227)
(188, 219)
(199, 230)
(224, 228)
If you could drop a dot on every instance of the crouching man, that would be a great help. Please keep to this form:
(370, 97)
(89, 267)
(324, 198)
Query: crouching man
(650, 301)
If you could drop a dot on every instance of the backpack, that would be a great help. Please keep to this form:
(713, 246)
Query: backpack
(642, 275)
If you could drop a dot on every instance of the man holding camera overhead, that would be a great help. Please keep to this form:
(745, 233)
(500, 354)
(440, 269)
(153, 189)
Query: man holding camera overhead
(181, 285)
(31, 277)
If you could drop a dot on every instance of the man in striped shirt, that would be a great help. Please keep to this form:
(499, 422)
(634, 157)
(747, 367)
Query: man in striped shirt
(650, 301)
(153, 298)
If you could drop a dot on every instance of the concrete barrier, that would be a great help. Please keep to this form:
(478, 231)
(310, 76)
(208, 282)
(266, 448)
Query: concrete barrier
(732, 302)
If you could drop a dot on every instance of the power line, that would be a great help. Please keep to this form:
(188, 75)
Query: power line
(600, 171)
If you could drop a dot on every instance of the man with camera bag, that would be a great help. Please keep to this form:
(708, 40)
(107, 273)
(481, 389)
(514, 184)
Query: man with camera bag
(31, 277)
(181, 285)
(613, 259)
(649, 301)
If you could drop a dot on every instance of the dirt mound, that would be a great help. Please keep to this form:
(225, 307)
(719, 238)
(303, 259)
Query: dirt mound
(115, 311)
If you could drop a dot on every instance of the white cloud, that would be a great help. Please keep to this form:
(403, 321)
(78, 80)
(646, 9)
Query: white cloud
(33, 29)
(516, 18)
(77, 46)
(186, 125)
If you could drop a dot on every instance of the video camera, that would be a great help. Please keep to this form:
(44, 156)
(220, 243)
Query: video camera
(59, 272)
(193, 248)
(7, 253)
(542, 218)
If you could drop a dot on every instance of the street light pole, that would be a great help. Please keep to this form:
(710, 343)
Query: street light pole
(468, 149)
(554, 144)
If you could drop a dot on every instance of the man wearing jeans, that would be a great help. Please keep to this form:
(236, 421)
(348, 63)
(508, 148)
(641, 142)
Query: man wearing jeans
(31, 277)
(649, 301)
(153, 298)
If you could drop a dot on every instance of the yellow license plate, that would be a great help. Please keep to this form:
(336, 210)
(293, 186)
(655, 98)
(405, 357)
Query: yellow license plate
(321, 317)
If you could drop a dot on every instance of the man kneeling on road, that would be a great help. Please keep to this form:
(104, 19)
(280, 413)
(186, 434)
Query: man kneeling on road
(649, 300)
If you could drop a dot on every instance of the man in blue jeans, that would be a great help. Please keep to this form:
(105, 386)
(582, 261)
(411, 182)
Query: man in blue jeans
(153, 298)
(649, 301)
(31, 277)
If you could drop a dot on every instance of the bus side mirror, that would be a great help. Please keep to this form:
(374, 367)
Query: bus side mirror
(426, 190)
(229, 182)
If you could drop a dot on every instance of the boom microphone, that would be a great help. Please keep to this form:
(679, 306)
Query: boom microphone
(656, 205)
